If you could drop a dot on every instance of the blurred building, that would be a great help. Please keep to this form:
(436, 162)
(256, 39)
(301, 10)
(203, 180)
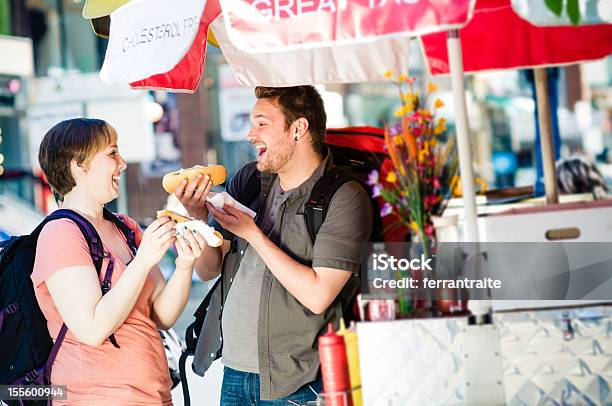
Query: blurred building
(49, 64)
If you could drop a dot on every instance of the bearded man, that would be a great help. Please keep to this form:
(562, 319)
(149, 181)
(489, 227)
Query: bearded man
(280, 289)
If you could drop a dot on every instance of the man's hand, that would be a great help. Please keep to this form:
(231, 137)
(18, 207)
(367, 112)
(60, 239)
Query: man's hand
(193, 196)
(235, 221)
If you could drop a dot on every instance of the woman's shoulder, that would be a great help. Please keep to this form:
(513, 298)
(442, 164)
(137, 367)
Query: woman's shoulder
(60, 227)
(61, 234)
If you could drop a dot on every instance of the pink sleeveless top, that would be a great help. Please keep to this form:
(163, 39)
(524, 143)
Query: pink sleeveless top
(136, 373)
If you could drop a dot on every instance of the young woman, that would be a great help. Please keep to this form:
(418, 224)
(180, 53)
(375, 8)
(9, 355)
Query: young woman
(82, 163)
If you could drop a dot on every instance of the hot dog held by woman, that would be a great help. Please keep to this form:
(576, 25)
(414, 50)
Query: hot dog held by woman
(184, 224)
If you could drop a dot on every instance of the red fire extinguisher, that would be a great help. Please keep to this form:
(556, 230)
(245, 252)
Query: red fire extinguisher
(334, 369)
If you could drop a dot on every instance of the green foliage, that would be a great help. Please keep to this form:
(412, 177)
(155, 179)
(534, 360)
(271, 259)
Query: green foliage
(572, 8)
(573, 11)
(556, 6)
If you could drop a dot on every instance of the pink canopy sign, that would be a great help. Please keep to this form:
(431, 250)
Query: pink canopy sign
(274, 25)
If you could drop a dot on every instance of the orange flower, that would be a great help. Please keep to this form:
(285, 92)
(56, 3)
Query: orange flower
(411, 146)
(402, 78)
(388, 74)
(393, 153)
(431, 87)
(391, 177)
(439, 104)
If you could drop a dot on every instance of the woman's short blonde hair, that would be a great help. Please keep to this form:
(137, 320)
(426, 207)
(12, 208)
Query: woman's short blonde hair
(76, 139)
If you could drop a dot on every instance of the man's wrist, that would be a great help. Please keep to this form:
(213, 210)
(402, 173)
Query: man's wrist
(255, 236)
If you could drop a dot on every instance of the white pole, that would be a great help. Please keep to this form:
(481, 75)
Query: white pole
(479, 308)
(455, 59)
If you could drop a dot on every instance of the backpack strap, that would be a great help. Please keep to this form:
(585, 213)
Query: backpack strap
(321, 196)
(317, 206)
(129, 234)
(191, 339)
(96, 250)
(251, 190)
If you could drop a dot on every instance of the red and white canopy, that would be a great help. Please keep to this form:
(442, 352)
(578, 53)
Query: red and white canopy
(153, 44)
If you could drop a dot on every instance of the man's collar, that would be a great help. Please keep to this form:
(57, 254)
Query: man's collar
(324, 166)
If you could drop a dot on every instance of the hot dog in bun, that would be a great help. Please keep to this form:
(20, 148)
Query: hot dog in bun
(213, 237)
(171, 180)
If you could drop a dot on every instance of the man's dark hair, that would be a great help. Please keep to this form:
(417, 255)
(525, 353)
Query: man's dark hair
(296, 102)
(75, 139)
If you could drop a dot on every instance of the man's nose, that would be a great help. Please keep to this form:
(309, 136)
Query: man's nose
(251, 135)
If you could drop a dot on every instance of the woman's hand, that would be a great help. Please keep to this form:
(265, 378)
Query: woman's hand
(189, 246)
(193, 196)
(156, 240)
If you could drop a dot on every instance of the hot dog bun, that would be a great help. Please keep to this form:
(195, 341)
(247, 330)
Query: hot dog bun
(213, 237)
(173, 215)
(171, 180)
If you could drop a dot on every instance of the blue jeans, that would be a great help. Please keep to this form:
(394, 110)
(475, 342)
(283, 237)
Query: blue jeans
(242, 389)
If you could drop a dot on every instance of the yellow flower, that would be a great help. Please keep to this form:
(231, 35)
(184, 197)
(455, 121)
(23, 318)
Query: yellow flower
(439, 104)
(397, 140)
(402, 78)
(439, 129)
(422, 155)
(431, 87)
(407, 97)
(399, 112)
(414, 226)
(388, 74)
(391, 177)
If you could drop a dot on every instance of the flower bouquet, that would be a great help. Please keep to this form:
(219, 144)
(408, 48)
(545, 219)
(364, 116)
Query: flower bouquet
(417, 179)
(415, 182)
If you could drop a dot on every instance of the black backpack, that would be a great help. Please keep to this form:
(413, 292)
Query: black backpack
(27, 351)
(356, 152)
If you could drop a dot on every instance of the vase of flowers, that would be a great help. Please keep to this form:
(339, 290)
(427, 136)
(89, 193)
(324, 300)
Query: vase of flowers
(416, 180)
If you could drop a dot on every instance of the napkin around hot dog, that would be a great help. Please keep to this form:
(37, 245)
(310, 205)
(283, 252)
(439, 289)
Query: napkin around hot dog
(220, 199)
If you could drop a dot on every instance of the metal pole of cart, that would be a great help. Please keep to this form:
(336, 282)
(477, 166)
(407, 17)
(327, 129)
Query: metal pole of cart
(482, 389)
(455, 59)
(546, 140)
(479, 308)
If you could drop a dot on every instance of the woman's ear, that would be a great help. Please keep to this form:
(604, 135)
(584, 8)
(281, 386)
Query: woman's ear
(77, 169)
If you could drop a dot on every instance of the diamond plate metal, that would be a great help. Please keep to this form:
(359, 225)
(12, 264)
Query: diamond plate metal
(557, 357)
(412, 362)
(549, 357)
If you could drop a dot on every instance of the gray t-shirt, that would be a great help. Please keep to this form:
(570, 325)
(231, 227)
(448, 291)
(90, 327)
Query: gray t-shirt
(240, 315)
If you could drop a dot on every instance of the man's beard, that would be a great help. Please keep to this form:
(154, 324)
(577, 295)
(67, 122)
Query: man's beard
(275, 162)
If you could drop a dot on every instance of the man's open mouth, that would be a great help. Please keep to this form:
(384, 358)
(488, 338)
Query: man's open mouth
(261, 148)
